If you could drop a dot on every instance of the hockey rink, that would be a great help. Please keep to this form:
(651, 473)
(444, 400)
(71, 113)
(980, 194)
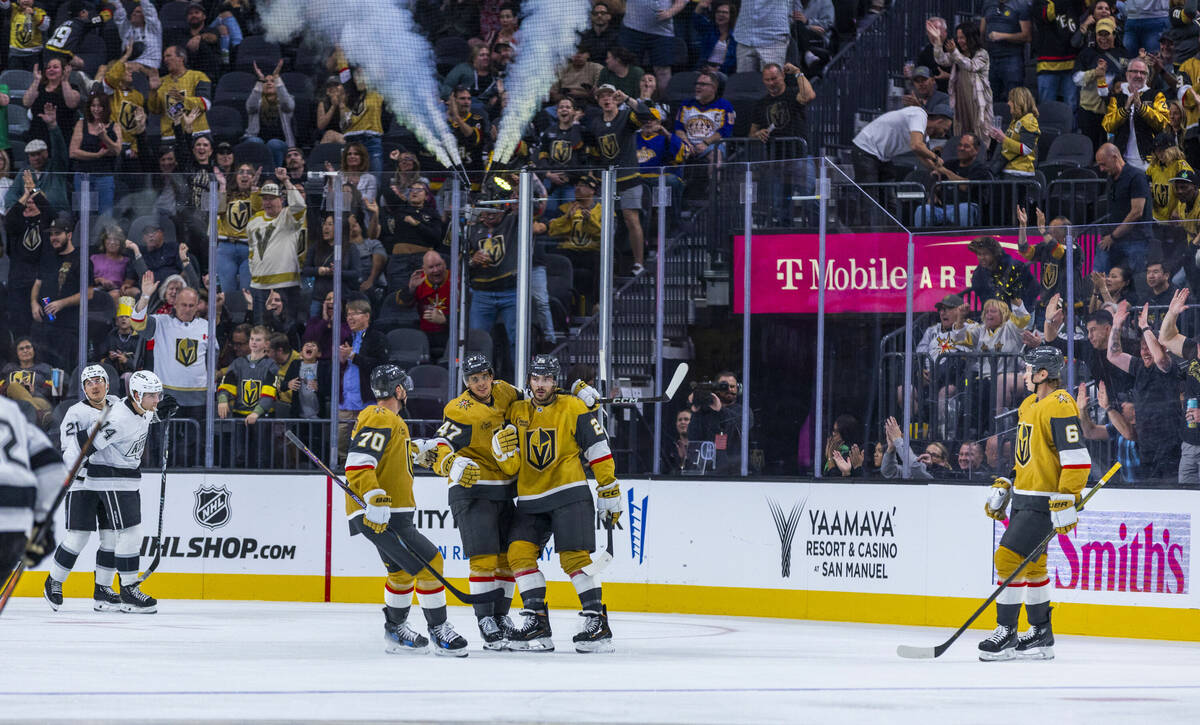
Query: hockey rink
(207, 660)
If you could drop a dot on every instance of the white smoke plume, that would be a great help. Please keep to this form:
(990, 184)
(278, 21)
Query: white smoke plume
(381, 39)
(547, 39)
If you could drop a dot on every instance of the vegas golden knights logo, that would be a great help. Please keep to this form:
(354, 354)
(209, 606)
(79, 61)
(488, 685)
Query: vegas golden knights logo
(778, 115)
(126, 116)
(1049, 274)
(25, 31)
(560, 151)
(251, 389)
(540, 447)
(1024, 437)
(187, 351)
(493, 247)
(239, 214)
(609, 146)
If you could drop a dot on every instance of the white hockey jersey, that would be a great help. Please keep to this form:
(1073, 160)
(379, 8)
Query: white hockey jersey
(180, 356)
(31, 471)
(73, 433)
(114, 464)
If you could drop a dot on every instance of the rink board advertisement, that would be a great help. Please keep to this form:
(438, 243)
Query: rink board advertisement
(863, 272)
(918, 554)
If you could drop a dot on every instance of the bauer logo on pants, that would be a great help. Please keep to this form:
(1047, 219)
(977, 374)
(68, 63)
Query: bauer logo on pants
(212, 507)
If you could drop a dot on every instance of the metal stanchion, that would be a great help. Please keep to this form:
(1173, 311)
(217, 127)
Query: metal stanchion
(335, 388)
(210, 433)
(524, 271)
(608, 201)
(455, 337)
(661, 200)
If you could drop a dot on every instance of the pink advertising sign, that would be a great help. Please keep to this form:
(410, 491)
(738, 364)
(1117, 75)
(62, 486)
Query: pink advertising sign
(863, 272)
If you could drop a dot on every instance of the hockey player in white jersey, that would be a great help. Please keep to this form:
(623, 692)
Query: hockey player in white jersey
(113, 467)
(31, 473)
(88, 508)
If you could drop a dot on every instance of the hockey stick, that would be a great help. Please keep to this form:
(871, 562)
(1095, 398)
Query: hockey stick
(601, 560)
(926, 653)
(162, 504)
(463, 597)
(672, 387)
(48, 522)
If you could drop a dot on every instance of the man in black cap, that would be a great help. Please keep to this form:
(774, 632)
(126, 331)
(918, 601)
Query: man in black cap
(893, 134)
(54, 299)
(925, 91)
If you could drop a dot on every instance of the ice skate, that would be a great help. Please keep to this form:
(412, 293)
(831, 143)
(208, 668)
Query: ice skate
(134, 600)
(533, 635)
(492, 634)
(1001, 645)
(595, 635)
(53, 593)
(1037, 643)
(399, 638)
(447, 642)
(105, 599)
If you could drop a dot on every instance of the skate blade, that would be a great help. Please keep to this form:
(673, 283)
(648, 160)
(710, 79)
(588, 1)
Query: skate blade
(1002, 656)
(501, 646)
(106, 607)
(402, 649)
(130, 609)
(542, 644)
(52, 604)
(1037, 653)
(600, 647)
(444, 652)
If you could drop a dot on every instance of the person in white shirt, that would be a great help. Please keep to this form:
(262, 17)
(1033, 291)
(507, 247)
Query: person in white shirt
(892, 134)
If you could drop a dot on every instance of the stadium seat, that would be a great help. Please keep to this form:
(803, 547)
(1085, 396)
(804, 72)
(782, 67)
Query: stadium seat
(98, 224)
(560, 277)
(322, 152)
(449, 52)
(132, 206)
(681, 57)
(226, 123)
(681, 87)
(1071, 148)
(18, 81)
(1056, 115)
(254, 153)
(424, 406)
(18, 123)
(234, 86)
(430, 378)
(173, 16)
(745, 87)
(141, 84)
(408, 347)
(256, 49)
(298, 84)
(949, 150)
(480, 341)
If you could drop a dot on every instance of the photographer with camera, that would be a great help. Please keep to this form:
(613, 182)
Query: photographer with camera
(717, 418)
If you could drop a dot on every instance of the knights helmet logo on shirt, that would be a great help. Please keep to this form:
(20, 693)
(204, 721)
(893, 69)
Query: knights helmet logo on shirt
(187, 351)
(541, 447)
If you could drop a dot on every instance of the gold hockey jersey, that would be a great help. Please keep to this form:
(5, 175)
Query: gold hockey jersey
(379, 458)
(551, 439)
(467, 429)
(236, 212)
(1050, 452)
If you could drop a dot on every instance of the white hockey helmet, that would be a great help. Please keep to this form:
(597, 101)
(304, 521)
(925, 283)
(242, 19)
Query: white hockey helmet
(142, 382)
(93, 371)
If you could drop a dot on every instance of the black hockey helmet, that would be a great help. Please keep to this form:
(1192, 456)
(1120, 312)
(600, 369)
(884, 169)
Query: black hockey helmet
(386, 377)
(476, 362)
(545, 365)
(1046, 357)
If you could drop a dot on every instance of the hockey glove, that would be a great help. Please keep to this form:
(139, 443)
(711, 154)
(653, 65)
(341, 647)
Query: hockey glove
(1063, 515)
(423, 451)
(998, 497)
(36, 550)
(608, 500)
(167, 407)
(504, 442)
(589, 395)
(463, 471)
(379, 510)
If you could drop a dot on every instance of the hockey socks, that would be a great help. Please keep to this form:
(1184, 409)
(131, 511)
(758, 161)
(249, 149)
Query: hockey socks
(106, 558)
(509, 585)
(480, 583)
(433, 604)
(67, 553)
(588, 589)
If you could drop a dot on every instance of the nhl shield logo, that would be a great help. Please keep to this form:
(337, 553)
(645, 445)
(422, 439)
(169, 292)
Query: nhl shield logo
(212, 507)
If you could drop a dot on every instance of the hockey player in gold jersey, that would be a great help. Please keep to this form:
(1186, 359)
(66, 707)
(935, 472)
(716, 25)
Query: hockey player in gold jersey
(483, 513)
(1051, 469)
(379, 469)
(542, 445)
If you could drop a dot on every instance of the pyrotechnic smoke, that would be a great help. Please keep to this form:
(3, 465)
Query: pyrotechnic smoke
(546, 39)
(380, 38)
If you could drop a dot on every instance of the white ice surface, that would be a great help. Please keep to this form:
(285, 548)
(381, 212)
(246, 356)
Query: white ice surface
(259, 660)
